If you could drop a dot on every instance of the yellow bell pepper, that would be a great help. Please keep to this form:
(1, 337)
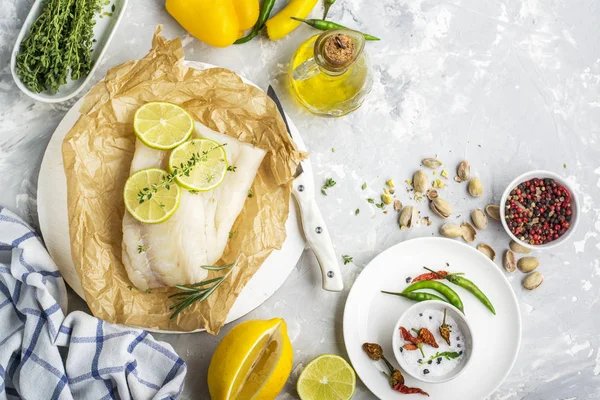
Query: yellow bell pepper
(282, 23)
(216, 22)
(247, 12)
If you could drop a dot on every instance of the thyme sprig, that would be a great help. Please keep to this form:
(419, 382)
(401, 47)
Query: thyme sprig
(200, 291)
(448, 355)
(183, 169)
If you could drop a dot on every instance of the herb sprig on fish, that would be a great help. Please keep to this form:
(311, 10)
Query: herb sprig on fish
(183, 169)
(200, 291)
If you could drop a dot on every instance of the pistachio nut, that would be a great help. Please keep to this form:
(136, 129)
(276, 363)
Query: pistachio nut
(432, 163)
(493, 211)
(386, 198)
(420, 181)
(533, 280)
(440, 207)
(397, 205)
(432, 194)
(509, 261)
(463, 172)
(468, 232)
(519, 248)
(475, 187)
(406, 217)
(528, 264)
(479, 219)
(487, 250)
(390, 183)
(450, 230)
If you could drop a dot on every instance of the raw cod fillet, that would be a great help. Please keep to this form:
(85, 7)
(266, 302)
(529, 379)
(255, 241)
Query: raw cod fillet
(197, 233)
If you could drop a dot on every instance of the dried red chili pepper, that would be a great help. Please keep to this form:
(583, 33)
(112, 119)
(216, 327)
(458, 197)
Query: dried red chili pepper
(396, 378)
(426, 337)
(407, 337)
(409, 347)
(430, 276)
(407, 390)
(445, 329)
(373, 350)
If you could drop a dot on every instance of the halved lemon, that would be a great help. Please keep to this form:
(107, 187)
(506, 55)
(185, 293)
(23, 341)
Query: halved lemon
(162, 126)
(327, 377)
(148, 199)
(253, 361)
(209, 164)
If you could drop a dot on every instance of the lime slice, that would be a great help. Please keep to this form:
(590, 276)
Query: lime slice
(155, 206)
(162, 126)
(327, 377)
(208, 160)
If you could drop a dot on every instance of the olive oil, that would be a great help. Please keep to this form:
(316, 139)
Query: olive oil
(324, 88)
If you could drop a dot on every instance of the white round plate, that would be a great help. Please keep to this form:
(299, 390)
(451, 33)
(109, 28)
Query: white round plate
(53, 217)
(370, 316)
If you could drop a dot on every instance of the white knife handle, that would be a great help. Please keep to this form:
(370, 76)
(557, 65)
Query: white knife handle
(316, 234)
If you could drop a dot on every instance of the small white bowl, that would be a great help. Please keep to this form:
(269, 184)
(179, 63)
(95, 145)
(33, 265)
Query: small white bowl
(464, 327)
(104, 29)
(574, 206)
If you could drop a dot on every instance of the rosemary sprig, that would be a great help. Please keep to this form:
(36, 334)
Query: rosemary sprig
(200, 291)
(183, 169)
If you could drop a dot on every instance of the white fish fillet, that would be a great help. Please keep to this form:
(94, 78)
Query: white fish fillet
(197, 233)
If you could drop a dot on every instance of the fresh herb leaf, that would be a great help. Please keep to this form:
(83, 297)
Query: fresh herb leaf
(231, 235)
(364, 186)
(380, 205)
(333, 149)
(347, 259)
(371, 201)
(112, 8)
(565, 166)
(357, 211)
(193, 191)
(141, 249)
(329, 183)
(448, 355)
(250, 194)
(148, 291)
(129, 287)
(231, 168)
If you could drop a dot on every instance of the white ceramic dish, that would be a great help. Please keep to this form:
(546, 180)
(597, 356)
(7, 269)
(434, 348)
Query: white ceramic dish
(574, 204)
(370, 316)
(103, 32)
(53, 217)
(466, 339)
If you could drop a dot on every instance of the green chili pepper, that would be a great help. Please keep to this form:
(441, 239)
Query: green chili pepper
(444, 290)
(470, 287)
(328, 4)
(327, 25)
(417, 296)
(265, 12)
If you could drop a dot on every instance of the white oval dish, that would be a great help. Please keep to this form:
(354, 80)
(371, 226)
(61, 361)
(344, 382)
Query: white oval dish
(465, 335)
(574, 205)
(103, 32)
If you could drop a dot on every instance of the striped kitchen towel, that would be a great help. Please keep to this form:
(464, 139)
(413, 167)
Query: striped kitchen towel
(99, 360)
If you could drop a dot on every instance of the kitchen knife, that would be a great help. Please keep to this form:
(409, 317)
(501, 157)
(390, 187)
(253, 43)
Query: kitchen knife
(313, 223)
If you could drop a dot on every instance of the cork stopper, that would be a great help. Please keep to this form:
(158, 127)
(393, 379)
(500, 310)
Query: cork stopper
(339, 49)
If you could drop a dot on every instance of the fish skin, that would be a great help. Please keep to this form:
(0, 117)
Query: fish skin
(198, 232)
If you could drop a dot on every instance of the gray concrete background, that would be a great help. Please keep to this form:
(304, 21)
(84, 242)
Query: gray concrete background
(508, 85)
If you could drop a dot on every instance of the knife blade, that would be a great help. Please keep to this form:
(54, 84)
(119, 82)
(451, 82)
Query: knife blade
(313, 224)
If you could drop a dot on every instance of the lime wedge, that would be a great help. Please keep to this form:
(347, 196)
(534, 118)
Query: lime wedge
(162, 126)
(158, 202)
(205, 161)
(327, 377)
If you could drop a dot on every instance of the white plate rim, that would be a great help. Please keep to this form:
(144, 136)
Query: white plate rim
(348, 313)
(286, 258)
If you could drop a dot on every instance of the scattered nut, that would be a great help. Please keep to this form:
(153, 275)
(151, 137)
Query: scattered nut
(533, 280)
(468, 232)
(451, 230)
(397, 205)
(432, 194)
(519, 248)
(475, 187)
(386, 198)
(528, 264)
(479, 219)
(420, 181)
(438, 184)
(432, 163)
(493, 211)
(509, 261)
(440, 207)
(407, 216)
(463, 172)
(487, 250)
(390, 183)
